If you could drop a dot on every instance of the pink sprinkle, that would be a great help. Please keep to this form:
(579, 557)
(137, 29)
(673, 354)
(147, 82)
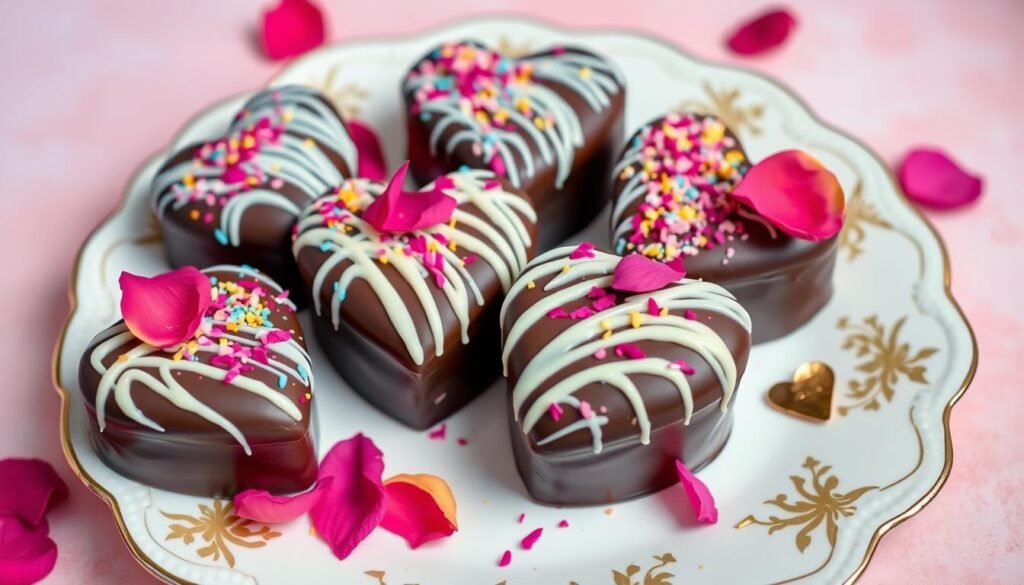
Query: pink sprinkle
(652, 306)
(585, 410)
(506, 558)
(689, 314)
(558, 313)
(630, 351)
(490, 184)
(563, 524)
(439, 432)
(596, 292)
(581, 313)
(584, 250)
(605, 302)
(522, 517)
(469, 259)
(599, 354)
(462, 442)
(555, 411)
(531, 539)
(684, 367)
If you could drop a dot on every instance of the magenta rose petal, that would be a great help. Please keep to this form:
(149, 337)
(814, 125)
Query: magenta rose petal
(27, 554)
(635, 273)
(371, 156)
(931, 178)
(292, 28)
(762, 33)
(701, 500)
(355, 502)
(261, 506)
(398, 211)
(796, 193)
(29, 488)
(167, 309)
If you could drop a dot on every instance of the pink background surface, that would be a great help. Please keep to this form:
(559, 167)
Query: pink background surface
(92, 87)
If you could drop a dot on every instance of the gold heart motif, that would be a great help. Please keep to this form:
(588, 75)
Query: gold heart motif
(808, 395)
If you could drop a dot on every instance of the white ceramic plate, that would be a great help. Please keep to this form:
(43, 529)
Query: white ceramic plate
(798, 500)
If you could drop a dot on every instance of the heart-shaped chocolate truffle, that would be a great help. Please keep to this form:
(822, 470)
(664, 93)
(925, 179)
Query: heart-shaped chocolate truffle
(607, 388)
(551, 123)
(672, 202)
(809, 394)
(234, 199)
(228, 410)
(411, 319)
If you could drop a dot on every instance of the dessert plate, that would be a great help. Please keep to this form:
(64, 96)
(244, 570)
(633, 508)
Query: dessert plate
(799, 500)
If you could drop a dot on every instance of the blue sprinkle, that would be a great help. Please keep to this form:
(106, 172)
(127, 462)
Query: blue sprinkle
(302, 373)
(620, 246)
(221, 236)
(463, 168)
(336, 285)
(341, 295)
(424, 116)
(246, 268)
(213, 280)
(325, 245)
(282, 381)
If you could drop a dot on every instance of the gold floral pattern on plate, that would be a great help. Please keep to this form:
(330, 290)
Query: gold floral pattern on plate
(724, 104)
(887, 360)
(859, 215)
(816, 503)
(346, 97)
(220, 528)
(510, 48)
(634, 575)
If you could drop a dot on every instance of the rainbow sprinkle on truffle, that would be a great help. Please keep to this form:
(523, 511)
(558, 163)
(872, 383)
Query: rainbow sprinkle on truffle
(681, 169)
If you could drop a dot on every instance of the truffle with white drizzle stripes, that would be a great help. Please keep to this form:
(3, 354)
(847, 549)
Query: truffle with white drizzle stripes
(606, 387)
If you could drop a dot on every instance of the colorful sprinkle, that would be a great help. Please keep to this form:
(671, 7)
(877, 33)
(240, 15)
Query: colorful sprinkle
(531, 539)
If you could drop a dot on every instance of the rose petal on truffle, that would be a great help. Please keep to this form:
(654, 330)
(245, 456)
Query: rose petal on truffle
(165, 310)
(292, 28)
(354, 504)
(29, 488)
(762, 33)
(372, 164)
(635, 273)
(700, 497)
(27, 554)
(795, 192)
(262, 506)
(397, 211)
(420, 508)
(930, 177)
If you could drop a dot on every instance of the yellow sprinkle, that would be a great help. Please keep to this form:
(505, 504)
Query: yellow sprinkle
(683, 144)
(713, 133)
(606, 324)
(670, 251)
(123, 357)
(432, 245)
(501, 116)
(399, 251)
(383, 259)
(663, 312)
(249, 141)
(606, 335)
(522, 104)
(530, 284)
(451, 222)
(310, 143)
(223, 342)
(565, 268)
(231, 158)
(462, 262)
(452, 245)
(178, 355)
(309, 396)
(232, 326)
(635, 319)
(585, 72)
(287, 115)
(539, 123)
(687, 212)
(609, 512)
(194, 214)
(735, 156)
(189, 180)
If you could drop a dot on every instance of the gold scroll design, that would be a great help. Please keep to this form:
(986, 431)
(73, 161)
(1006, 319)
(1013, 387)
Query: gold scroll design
(348, 98)
(219, 528)
(725, 105)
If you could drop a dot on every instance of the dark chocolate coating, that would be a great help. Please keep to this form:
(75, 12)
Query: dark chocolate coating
(780, 280)
(567, 471)
(265, 231)
(562, 212)
(368, 352)
(195, 456)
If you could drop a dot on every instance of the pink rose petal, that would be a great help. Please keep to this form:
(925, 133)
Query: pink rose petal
(371, 156)
(292, 28)
(439, 433)
(563, 524)
(762, 33)
(700, 497)
(261, 506)
(356, 503)
(420, 508)
(932, 178)
(531, 539)
(165, 310)
(635, 273)
(28, 488)
(584, 250)
(796, 193)
(27, 554)
(506, 558)
(397, 211)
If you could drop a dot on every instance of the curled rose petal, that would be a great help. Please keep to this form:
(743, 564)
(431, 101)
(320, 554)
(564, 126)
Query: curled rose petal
(371, 156)
(931, 178)
(27, 554)
(400, 211)
(262, 506)
(29, 488)
(292, 28)
(354, 504)
(700, 497)
(420, 508)
(164, 310)
(531, 539)
(762, 33)
(635, 273)
(796, 193)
